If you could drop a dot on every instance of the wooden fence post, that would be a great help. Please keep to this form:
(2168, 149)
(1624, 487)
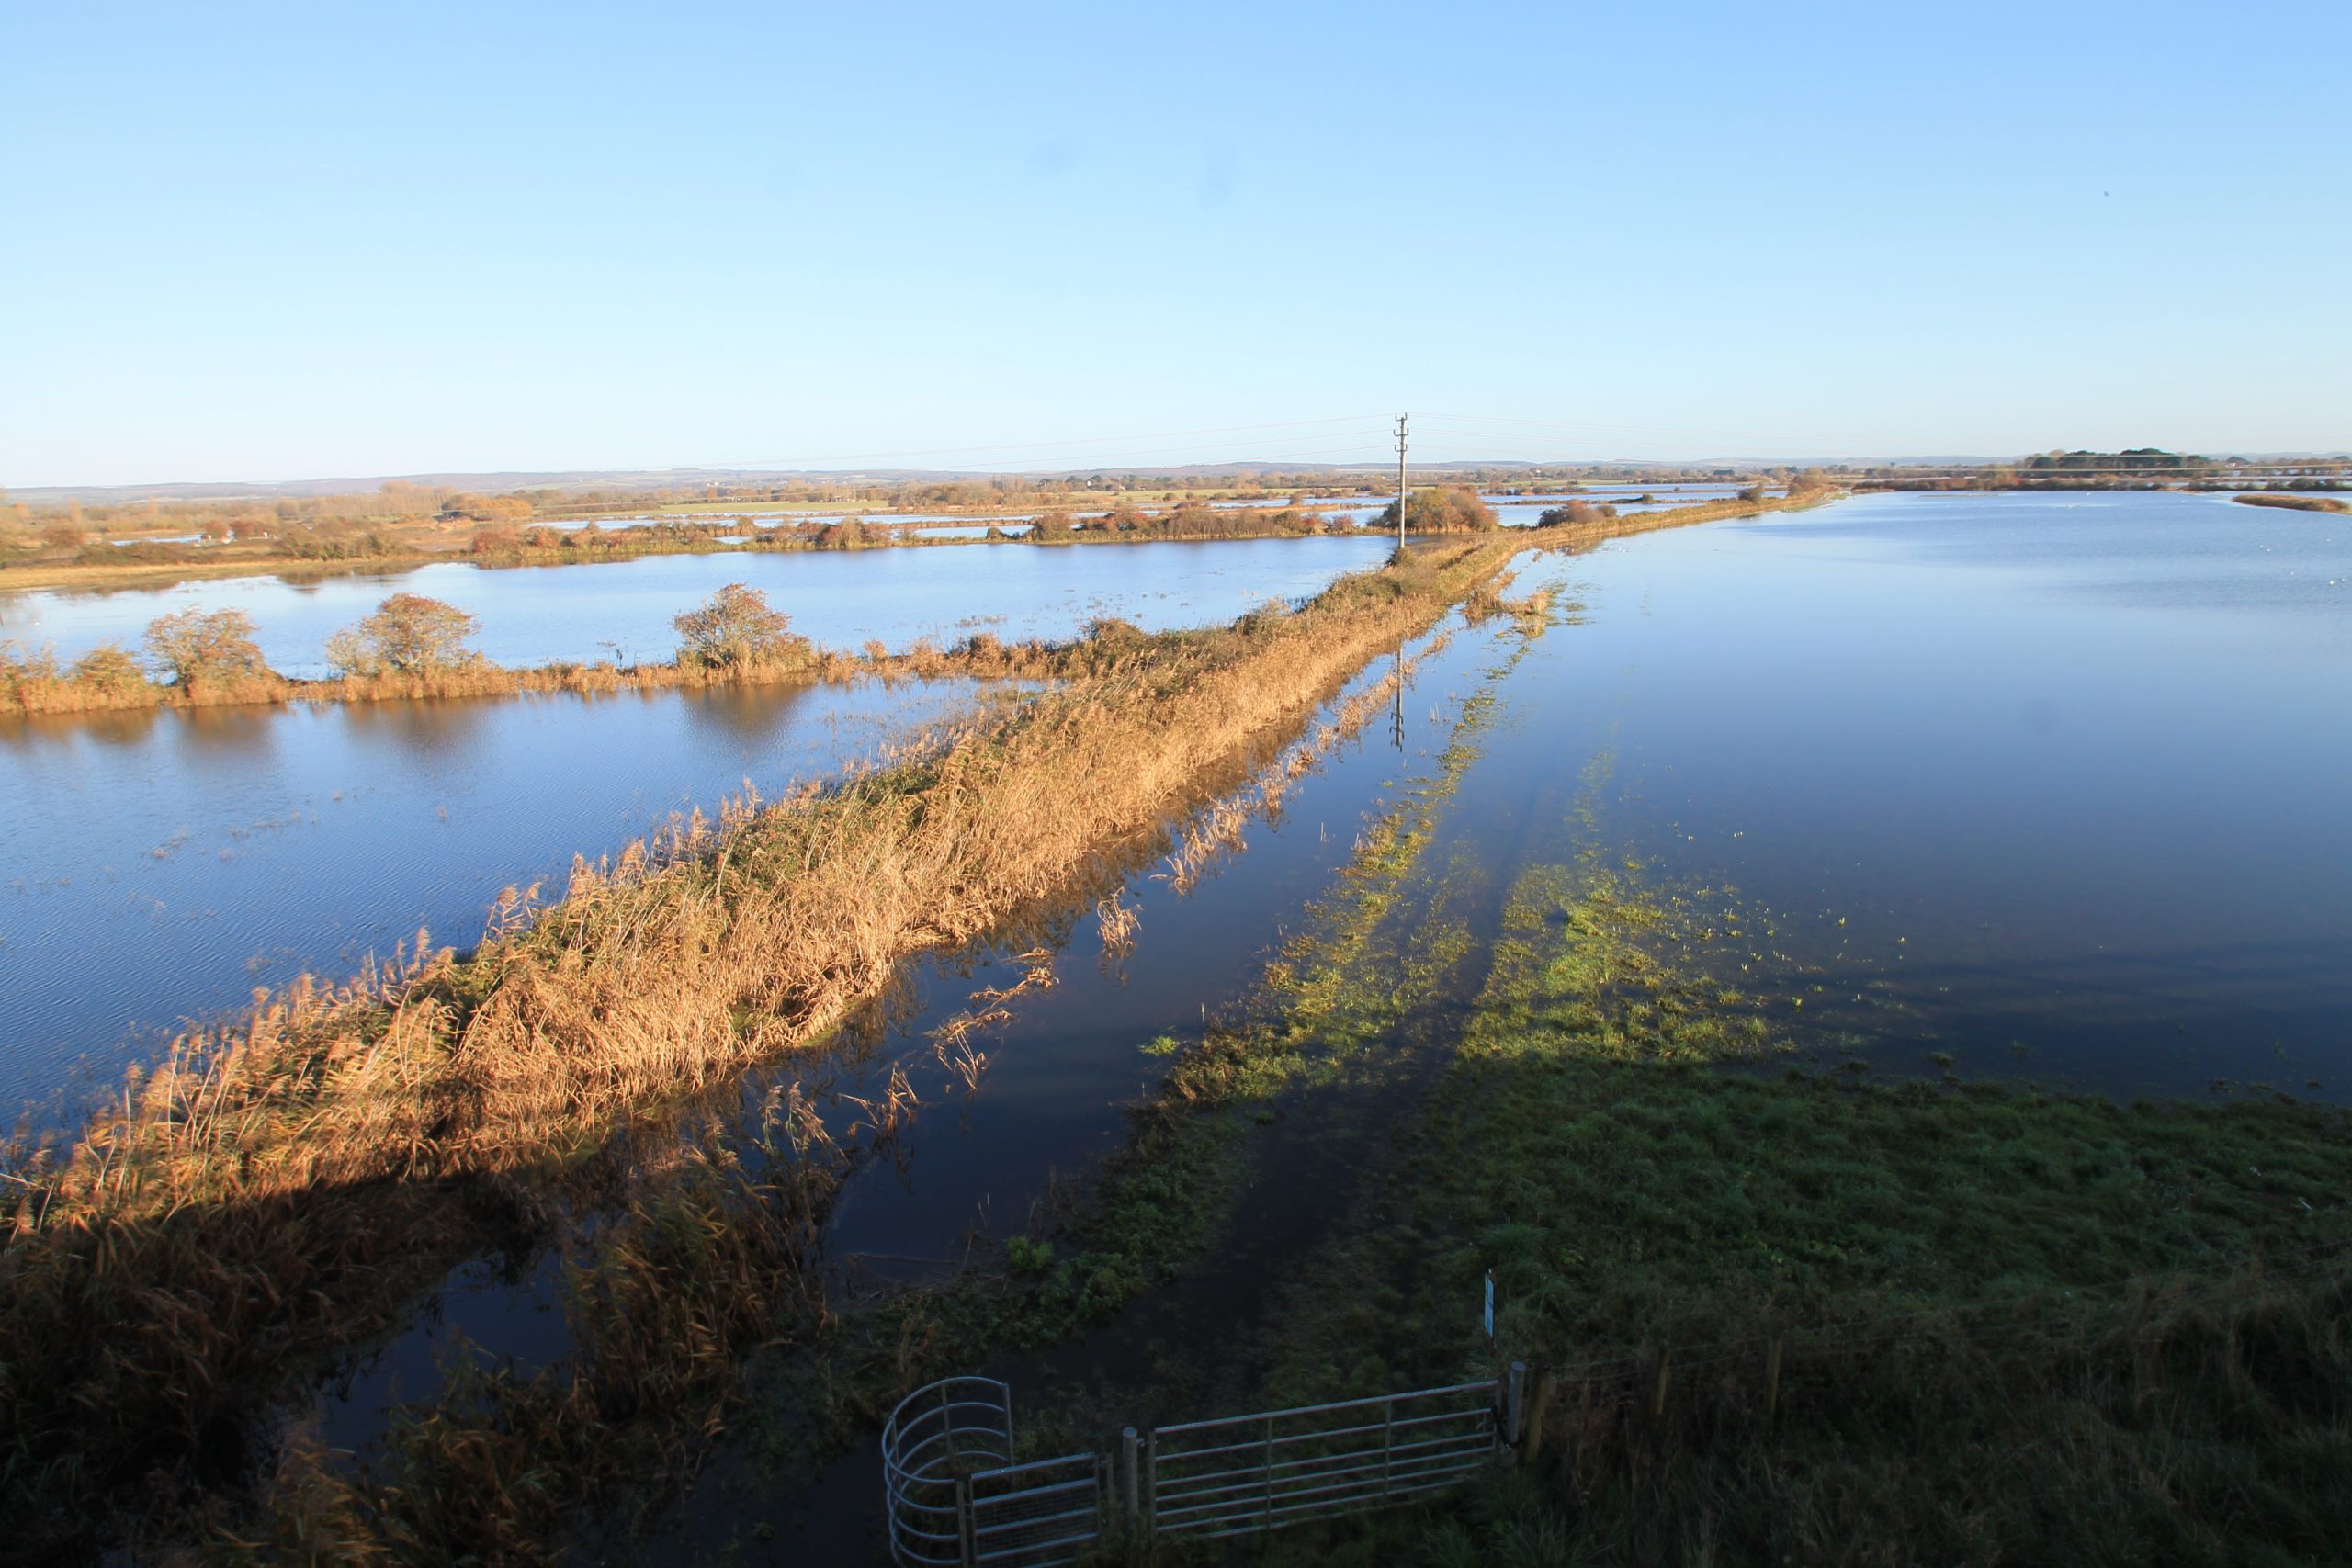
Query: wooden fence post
(1537, 1403)
(1772, 1379)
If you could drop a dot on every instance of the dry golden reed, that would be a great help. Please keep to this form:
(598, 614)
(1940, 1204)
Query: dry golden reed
(272, 1188)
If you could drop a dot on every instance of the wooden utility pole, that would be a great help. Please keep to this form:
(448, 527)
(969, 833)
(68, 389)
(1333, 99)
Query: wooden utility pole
(1400, 484)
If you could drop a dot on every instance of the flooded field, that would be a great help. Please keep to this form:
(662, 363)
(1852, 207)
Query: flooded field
(621, 611)
(1990, 849)
(2035, 787)
(1996, 840)
(186, 857)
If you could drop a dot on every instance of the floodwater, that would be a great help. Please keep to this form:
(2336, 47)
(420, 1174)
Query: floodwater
(622, 610)
(2055, 787)
(157, 867)
(2052, 786)
(2071, 770)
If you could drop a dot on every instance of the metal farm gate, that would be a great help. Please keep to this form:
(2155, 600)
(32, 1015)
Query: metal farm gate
(957, 1499)
(1243, 1473)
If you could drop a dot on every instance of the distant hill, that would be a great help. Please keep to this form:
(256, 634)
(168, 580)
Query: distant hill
(673, 479)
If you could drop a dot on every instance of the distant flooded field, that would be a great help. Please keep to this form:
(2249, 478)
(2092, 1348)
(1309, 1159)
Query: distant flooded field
(621, 609)
(2048, 784)
(180, 859)
(2051, 787)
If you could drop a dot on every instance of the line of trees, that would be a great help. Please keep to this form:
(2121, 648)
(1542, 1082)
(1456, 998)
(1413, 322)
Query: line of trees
(209, 654)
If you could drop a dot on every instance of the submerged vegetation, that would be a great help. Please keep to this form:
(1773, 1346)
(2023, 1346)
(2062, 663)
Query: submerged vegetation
(1806, 1317)
(414, 647)
(276, 1187)
(2295, 502)
(302, 1163)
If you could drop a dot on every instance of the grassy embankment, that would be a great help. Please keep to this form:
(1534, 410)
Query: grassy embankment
(700, 1270)
(2294, 503)
(1810, 1318)
(254, 1198)
(272, 1189)
(35, 684)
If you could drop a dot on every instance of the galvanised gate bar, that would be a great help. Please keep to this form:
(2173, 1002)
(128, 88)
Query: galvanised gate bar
(957, 1499)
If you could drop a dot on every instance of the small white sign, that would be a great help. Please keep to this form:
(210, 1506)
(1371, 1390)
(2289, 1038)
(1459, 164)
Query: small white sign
(1490, 1303)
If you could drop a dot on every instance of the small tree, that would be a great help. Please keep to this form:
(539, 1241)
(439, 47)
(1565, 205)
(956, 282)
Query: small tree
(735, 627)
(408, 634)
(1451, 509)
(201, 645)
(849, 533)
(110, 670)
(63, 536)
(1573, 513)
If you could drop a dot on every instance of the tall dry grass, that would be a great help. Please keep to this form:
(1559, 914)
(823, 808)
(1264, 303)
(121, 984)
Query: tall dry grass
(32, 681)
(270, 1190)
(266, 1185)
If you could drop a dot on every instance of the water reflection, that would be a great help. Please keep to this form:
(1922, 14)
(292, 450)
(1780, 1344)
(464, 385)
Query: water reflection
(398, 732)
(538, 614)
(172, 862)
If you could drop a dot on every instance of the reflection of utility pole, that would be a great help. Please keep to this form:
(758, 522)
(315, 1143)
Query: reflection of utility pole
(1400, 484)
(1397, 720)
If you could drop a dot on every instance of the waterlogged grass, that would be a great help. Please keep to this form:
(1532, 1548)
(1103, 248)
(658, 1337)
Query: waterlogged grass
(271, 1192)
(242, 1209)
(1161, 1205)
(1790, 1317)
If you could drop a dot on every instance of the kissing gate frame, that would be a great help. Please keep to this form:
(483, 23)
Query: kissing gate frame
(955, 1498)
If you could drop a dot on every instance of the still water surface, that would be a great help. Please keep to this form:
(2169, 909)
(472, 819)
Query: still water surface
(167, 864)
(2056, 787)
(622, 610)
(2053, 786)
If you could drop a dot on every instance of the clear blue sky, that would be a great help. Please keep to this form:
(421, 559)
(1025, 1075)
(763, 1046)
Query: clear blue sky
(256, 242)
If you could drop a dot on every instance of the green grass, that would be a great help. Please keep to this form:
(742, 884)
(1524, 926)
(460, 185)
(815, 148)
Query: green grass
(2011, 1326)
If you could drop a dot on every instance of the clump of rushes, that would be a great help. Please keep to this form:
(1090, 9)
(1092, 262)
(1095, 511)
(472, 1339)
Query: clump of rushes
(2294, 503)
(707, 1250)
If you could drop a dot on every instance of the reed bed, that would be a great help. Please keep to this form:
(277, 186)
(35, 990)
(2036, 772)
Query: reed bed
(2294, 503)
(32, 681)
(266, 1189)
(277, 1186)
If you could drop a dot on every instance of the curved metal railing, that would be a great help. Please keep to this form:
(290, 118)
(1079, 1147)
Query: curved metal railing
(938, 1435)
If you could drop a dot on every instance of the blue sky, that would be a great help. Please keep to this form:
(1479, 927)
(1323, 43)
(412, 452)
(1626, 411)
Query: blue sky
(255, 242)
